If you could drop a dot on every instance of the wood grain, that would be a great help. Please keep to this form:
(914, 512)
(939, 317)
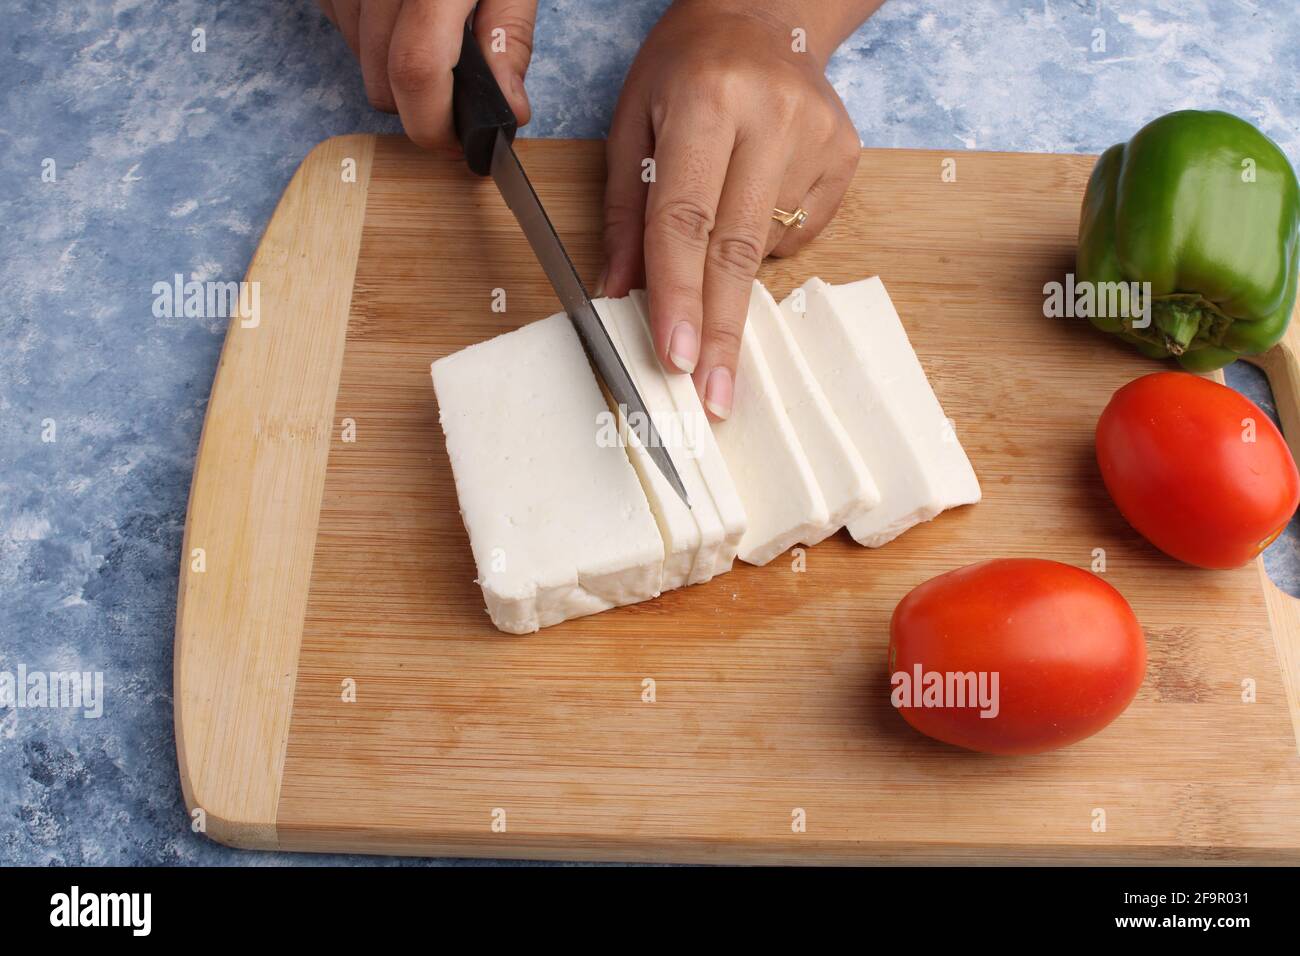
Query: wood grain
(1282, 366)
(255, 501)
(771, 693)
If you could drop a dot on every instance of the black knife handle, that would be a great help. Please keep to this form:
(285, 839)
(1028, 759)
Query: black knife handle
(479, 108)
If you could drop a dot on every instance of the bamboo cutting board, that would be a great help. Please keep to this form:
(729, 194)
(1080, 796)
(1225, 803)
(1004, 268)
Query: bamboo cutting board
(339, 685)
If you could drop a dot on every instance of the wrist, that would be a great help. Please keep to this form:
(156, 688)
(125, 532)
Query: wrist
(813, 28)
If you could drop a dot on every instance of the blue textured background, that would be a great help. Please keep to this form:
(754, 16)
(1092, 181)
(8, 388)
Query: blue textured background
(171, 161)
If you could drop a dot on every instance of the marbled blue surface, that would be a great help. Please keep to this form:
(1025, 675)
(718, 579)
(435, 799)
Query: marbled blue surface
(171, 161)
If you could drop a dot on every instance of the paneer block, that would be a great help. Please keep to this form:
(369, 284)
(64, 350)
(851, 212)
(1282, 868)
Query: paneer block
(558, 523)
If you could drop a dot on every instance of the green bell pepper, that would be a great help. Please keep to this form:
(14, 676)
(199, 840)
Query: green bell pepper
(1205, 208)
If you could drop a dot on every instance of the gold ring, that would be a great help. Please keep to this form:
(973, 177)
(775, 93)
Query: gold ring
(796, 218)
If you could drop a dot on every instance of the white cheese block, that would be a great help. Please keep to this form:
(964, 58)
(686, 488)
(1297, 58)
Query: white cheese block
(855, 344)
(775, 480)
(708, 457)
(842, 475)
(692, 536)
(558, 523)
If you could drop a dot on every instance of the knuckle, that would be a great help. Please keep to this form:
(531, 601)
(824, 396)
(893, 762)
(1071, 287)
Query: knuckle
(658, 107)
(785, 102)
(789, 245)
(848, 145)
(620, 218)
(725, 337)
(717, 90)
(381, 100)
(838, 172)
(519, 31)
(738, 254)
(684, 217)
(424, 138)
(824, 125)
(719, 85)
(676, 296)
(413, 70)
(702, 76)
(852, 152)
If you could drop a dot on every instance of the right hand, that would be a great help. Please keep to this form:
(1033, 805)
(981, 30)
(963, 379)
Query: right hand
(736, 122)
(408, 47)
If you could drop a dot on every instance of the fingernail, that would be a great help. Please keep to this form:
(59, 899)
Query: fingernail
(684, 347)
(599, 289)
(717, 393)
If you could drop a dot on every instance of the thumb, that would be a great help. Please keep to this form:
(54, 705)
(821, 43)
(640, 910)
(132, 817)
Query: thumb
(505, 32)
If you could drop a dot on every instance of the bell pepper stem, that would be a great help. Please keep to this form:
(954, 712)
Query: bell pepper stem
(1185, 320)
(1179, 321)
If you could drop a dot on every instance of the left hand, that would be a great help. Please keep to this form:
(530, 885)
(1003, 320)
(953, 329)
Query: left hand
(738, 123)
(407, 49)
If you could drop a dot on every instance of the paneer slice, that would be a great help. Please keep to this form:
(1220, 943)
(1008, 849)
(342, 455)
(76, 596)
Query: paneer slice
(842, 475)
(857, 347)
(692, 536)
(782, 499)
(708, 457)
(557, 521)
(681, 535)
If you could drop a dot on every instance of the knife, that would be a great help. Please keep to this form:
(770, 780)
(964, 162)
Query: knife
(485, 127)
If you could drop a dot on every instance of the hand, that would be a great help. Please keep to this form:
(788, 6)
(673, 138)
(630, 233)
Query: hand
(408, 47)
(737, 122)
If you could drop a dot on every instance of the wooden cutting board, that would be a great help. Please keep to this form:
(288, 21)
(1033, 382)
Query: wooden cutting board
(339, 686)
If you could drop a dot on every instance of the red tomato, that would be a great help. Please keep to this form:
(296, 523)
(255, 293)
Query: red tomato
(1058, 652)
(1177, 456)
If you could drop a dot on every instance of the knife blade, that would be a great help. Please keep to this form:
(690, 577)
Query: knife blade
(486, 126)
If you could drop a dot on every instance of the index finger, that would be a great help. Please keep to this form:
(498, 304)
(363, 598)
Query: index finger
(424, 48)
(628, 152)
(690, 167)
(735, 253)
